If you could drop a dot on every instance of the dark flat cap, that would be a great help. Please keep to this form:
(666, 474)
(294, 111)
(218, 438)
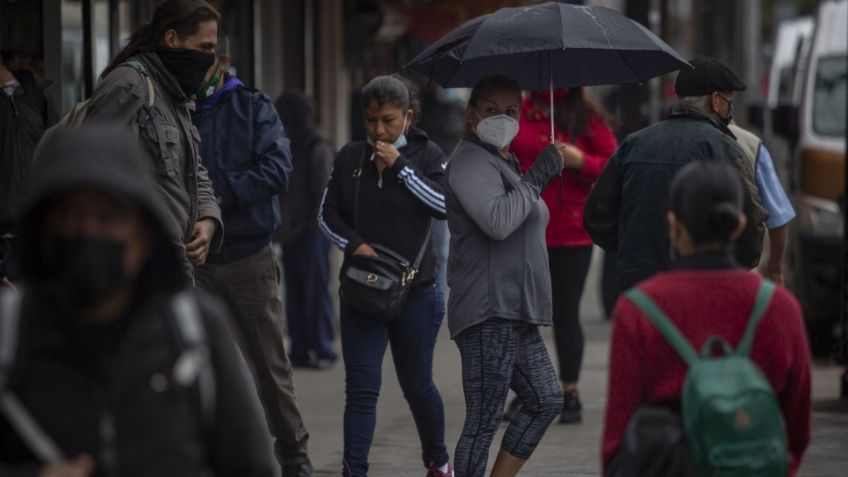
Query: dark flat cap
(707, 75)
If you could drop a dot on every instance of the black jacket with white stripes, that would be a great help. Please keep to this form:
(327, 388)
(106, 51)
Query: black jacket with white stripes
(393, 212)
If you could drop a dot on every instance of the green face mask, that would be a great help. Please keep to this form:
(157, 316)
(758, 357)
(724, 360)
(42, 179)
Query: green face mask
(208, 88)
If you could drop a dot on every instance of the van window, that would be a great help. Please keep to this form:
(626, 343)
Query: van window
(829, 96)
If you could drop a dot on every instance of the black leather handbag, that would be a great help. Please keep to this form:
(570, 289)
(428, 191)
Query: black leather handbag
(378, 286)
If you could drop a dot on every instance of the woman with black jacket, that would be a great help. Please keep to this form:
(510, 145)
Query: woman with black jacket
(399, 172)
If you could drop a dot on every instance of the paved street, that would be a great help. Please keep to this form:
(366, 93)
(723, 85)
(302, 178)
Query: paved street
(565, 450)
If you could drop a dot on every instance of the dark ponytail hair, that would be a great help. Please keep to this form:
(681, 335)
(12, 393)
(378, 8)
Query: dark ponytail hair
(706, 197)
(395, 90)
(573, 112)
(182, 16)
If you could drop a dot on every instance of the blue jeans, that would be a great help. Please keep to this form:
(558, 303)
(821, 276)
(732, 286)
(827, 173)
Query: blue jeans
(413, 338)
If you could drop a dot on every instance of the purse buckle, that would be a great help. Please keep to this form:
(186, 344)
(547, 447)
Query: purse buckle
(408, 276)
(372, 278)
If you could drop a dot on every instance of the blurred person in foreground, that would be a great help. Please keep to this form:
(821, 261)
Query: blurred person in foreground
(96, 360)
(26, 111)
(306, 251)
(624, 212)
(705, 294)
(245, 150)
(582, 127)
(173, 54)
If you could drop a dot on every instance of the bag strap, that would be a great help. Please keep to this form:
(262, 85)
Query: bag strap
(663, 324)
(138, 66)
(764, 295)
(33, 436)
(10, 304)
(357, 179)
(194, 363)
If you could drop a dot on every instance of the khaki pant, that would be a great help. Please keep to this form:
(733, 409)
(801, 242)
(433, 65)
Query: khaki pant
(250, 286)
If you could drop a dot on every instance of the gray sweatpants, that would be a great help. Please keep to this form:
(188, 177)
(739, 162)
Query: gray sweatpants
(497, 355)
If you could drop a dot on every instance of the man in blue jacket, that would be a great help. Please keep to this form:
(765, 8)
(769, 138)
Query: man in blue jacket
(249, 161)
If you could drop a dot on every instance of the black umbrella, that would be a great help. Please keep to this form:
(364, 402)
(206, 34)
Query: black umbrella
(548, 45)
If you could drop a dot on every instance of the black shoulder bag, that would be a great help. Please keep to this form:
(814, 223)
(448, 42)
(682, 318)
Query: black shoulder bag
(378, 286)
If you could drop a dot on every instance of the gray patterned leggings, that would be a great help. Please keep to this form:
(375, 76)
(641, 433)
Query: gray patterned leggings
(497, 355)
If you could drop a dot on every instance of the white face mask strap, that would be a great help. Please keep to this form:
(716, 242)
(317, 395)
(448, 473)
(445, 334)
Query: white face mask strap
(405, 115)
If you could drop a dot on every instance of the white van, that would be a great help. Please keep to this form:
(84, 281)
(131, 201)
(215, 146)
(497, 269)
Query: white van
(818, 185)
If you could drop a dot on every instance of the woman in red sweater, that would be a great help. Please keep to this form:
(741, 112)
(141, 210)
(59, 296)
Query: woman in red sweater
(706, 294)
(583, 128)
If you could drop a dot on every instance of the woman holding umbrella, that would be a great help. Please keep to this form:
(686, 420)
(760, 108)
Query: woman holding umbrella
(583, 128)
(499, 281)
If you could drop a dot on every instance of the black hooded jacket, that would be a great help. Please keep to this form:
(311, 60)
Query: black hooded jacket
(74, 378)
(394, 211)
(312, 157)
(24, 116)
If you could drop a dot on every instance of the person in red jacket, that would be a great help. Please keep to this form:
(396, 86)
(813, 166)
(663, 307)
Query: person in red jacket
(588, 142)
(705, 294)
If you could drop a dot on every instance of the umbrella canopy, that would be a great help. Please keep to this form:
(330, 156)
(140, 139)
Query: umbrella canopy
(547, 45)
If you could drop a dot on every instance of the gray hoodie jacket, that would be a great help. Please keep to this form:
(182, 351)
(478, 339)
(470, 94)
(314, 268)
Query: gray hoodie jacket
(498, 263)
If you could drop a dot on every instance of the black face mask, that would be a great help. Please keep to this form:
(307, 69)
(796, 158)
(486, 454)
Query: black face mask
(188, 67)
(727, 119)
(87, 271)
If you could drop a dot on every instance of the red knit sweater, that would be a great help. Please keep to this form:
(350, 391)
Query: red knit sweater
(566, 195)
(643, 368)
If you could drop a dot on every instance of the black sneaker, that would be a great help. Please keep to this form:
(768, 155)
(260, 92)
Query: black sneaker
(512, 409)
(572, 410)
(297, 470)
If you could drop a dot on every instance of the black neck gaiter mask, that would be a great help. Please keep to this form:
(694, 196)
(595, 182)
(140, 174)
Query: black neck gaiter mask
(188, 67)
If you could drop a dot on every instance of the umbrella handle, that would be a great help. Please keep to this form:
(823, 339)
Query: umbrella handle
(551, 113)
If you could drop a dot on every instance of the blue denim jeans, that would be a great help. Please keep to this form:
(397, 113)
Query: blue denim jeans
(412, 337)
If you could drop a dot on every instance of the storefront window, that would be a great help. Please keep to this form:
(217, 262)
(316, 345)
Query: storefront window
(73, 77)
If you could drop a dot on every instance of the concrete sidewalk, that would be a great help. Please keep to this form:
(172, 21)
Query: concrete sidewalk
(566, 450)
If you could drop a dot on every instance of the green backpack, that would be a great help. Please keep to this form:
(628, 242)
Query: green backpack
(731, 418)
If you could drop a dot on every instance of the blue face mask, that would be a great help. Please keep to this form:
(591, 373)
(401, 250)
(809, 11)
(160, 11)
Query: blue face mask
(399, 143)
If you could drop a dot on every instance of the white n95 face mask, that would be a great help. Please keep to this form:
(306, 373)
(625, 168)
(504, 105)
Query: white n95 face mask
(499, 131)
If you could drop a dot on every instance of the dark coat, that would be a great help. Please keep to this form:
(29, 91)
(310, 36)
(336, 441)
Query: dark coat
(74, 378)
(626, 211)
(394, 213)
(120, 99)
(24, 117)
(247, 154)
(312, 157)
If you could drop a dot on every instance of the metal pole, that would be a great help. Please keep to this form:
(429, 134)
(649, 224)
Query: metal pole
(114, 28)
(309, 48)
(87, 53)
(843, 354)
(654, 19)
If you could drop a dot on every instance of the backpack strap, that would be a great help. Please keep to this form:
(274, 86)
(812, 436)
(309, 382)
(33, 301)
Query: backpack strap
(10, 304)
(663, 324)
(33, 436)
(761, 303)
(194, 365)
(138, 66)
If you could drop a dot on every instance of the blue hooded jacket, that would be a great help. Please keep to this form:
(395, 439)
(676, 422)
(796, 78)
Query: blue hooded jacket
(244, 147)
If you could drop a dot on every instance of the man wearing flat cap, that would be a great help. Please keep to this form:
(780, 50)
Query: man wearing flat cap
(627, 207)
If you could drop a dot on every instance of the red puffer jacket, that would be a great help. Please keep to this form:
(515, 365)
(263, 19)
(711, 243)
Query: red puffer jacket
(566, 195)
